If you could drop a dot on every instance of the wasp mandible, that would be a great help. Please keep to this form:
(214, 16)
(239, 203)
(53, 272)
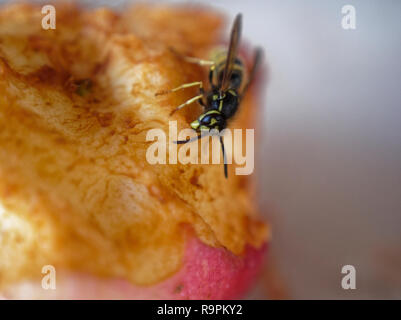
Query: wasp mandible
(228, 82)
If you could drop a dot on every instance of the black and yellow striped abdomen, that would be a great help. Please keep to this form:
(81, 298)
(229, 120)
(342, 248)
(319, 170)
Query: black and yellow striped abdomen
(238, 75)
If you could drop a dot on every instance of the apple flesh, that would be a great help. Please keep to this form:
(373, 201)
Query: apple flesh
(206, 273)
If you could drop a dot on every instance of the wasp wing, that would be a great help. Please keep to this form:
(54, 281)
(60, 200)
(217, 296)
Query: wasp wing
(256, 62)
(232, 52)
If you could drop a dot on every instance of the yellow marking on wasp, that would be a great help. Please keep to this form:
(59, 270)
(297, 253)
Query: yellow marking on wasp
(195, 124)
(207, 113)
(213, 121)
(232, 92)
(221, 105)
(238, 66)
(212, 112)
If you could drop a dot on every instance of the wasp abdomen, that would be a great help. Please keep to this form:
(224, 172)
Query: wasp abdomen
(237, 76)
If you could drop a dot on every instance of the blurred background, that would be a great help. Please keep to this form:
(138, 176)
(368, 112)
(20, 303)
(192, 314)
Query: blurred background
(329, 149)
(330, 153)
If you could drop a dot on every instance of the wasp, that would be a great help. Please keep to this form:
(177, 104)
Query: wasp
(228, 83)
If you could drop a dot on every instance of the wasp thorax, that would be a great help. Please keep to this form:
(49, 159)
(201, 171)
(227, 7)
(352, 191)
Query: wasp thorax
(225, 102)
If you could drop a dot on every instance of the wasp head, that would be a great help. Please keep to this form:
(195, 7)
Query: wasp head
(209, 120)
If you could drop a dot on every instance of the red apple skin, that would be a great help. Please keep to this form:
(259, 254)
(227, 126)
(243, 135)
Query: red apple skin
(207, 273)
(214, 273)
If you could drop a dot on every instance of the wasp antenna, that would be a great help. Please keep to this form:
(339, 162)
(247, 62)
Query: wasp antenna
(199, 136)
(182, 141)
(224, 157)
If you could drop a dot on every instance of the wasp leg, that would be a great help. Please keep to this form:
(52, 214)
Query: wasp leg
(197, 61)
(224, 157)
(183, 86)
(194, 60)
(187, 103)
